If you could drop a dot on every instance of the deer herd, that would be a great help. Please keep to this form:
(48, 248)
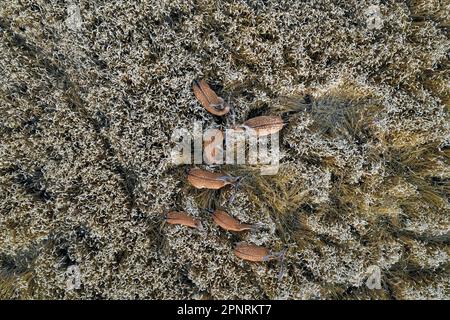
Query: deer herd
(202, 179)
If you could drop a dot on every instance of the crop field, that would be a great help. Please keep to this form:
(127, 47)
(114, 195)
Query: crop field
(92, 205)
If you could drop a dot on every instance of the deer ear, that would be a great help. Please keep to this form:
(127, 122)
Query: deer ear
(209, 99)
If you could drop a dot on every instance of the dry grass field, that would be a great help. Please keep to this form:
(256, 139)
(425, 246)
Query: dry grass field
(91, 92)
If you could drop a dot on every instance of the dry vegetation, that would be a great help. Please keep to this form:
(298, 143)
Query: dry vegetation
(86, 115)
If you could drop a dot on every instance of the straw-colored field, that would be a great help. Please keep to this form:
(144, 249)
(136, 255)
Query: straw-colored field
(91, 91)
